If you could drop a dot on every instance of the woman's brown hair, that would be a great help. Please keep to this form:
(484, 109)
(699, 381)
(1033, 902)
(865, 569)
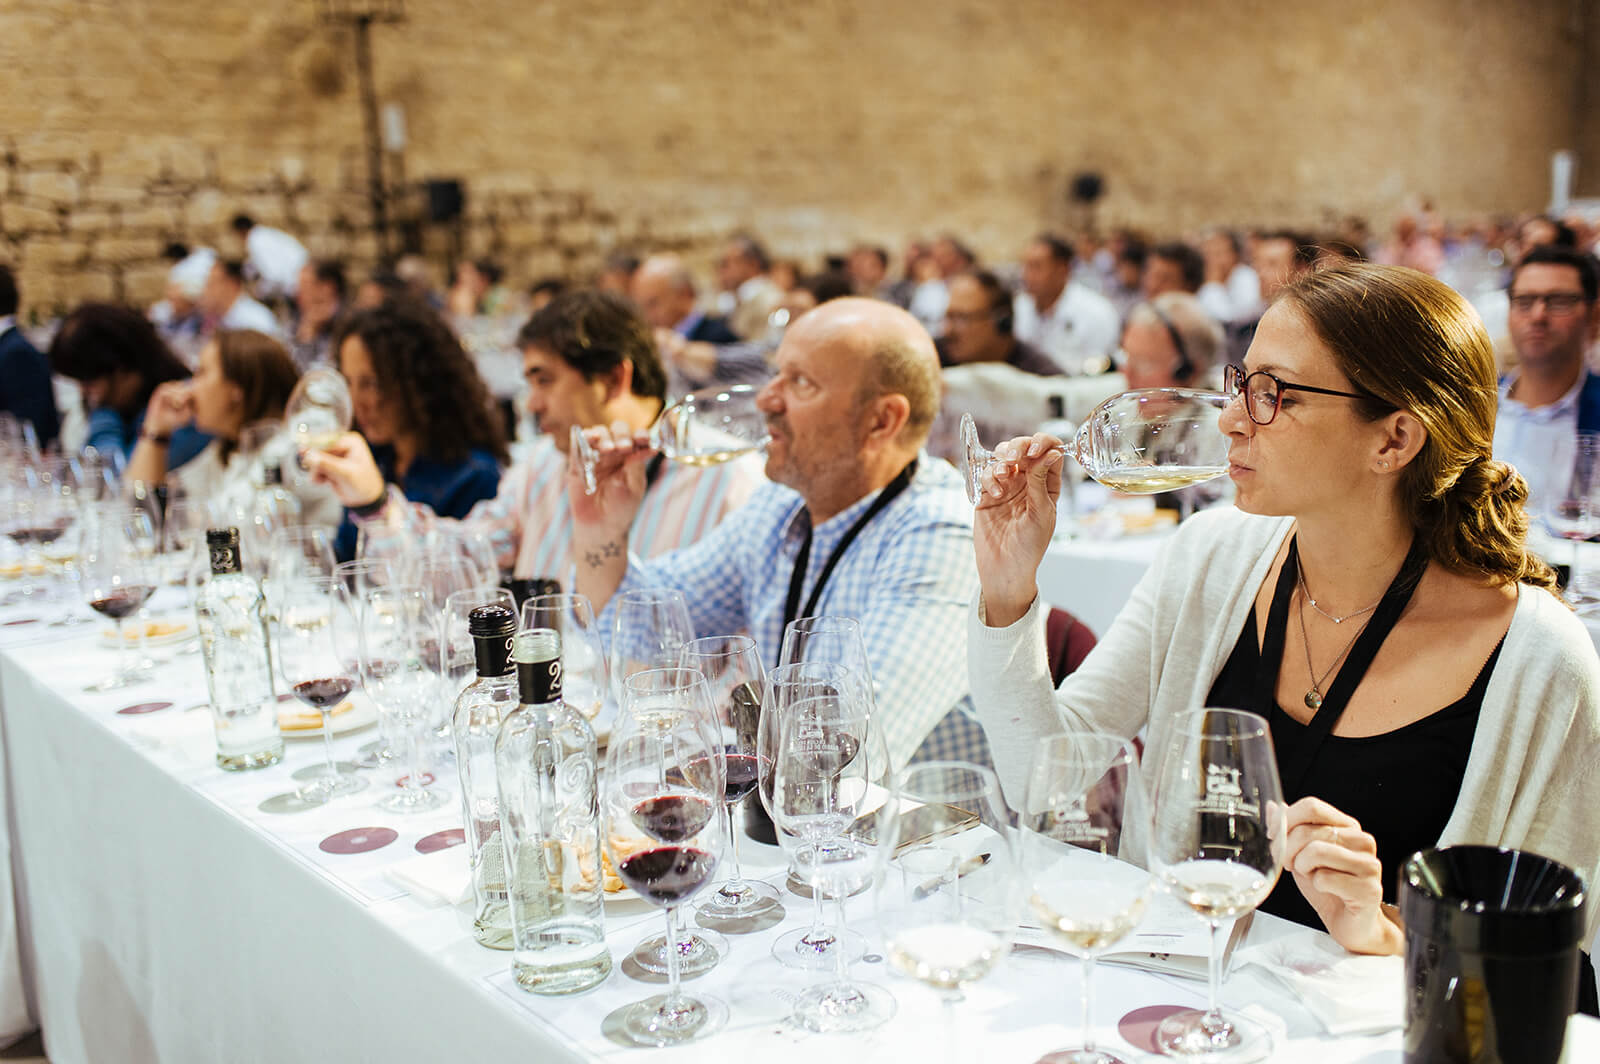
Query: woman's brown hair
(1414, 344)
(263, 371)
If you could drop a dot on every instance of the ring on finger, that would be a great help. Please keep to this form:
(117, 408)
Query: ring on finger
(1335, 836)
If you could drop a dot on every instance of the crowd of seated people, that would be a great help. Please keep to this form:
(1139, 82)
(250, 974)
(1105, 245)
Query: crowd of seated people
(853, 511)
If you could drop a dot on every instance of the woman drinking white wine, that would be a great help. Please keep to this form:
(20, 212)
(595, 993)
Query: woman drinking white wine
(1371, 596)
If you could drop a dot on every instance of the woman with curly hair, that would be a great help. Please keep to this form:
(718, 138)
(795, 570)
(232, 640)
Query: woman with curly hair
(422, 408)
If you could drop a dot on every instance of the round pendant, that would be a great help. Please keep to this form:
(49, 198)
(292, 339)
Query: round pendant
(1313, 700)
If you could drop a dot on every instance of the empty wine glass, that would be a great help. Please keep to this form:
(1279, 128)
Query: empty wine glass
(359, 577)
(649, 626)
(460, 664)
(1221, 807)
(316, 640)
(583, 658)
(732, 668)
(400, 673)
(1143, 442)
(663, 782)
(1083, 830)
(703, 428)
(948, 883)
(820, 945)
(827, 638)
(826, 775)
(302, 552)
(1572, 512)
(115, 580)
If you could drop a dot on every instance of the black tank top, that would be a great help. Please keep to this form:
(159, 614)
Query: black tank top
(1401, 785)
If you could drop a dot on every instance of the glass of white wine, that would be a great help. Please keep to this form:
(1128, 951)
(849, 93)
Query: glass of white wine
(707, 427)
(1213, 848)
(1083, 830)
(319, 411)
(1142, 442)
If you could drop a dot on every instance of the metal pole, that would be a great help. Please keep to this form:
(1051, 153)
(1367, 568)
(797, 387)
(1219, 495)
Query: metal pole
(369, 114)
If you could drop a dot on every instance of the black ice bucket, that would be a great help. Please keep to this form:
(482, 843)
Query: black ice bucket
(1492, 953)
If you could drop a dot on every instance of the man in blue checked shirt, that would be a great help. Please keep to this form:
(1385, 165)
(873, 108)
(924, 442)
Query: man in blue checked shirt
(858, 522)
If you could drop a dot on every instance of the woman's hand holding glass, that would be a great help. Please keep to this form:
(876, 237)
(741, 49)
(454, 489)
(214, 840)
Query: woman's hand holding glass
(345, 464)
(1014, 521)
(1083, 828)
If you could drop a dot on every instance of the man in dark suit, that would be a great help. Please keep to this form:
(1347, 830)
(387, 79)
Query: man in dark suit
(25, 390)
(664, 290)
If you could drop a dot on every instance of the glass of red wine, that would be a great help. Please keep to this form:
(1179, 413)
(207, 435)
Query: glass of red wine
(115, 580)
(315, 637)
(664, 780)
(731, 665)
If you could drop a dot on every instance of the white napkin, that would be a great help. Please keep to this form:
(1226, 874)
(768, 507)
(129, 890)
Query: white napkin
(442, 876)
(1347, 992)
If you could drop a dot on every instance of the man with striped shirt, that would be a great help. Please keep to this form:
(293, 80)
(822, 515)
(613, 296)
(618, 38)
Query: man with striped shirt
(860, 522)
(589, 359)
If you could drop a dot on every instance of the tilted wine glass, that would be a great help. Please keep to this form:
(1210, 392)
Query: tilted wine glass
(707, 427)
(1216, 847)
(664, 779)
(1083, 831)
(1141, 442)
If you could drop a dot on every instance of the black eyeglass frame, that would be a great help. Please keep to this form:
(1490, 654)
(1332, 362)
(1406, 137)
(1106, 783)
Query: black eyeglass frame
(1236, 382)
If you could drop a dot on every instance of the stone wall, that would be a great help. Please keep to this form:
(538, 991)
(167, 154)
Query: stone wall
(579, 127)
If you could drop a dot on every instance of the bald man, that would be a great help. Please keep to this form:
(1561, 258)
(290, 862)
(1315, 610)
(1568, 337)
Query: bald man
(858, 522)
(663, 288)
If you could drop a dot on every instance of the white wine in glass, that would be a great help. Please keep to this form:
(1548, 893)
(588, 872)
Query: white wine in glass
(1142, 442)
(704, 428)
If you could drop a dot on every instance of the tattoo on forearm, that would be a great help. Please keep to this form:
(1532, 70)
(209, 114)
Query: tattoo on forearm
(596, 558)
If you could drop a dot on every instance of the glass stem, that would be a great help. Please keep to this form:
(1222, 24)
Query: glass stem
(1088, 1003)
(414, 776)
(818, 922)
(1572, 575)
(327, 739)
(841, 963)
(1213, 1010)
(673, 959)
(126, 663)
(735, 878)
(952, 1031)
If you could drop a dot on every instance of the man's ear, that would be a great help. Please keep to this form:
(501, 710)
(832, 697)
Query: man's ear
(619, 381)
(886, 416)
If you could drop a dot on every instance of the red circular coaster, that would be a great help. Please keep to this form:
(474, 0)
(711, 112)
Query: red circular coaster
(1138, 1028)
(441, 840)
(143, 707)
(358, 840)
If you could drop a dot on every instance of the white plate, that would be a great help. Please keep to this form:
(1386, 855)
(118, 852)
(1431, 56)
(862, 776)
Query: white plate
(360, 714)
(169, 632)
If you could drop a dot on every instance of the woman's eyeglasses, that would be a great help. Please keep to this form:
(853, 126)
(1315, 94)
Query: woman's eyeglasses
(1263, 392)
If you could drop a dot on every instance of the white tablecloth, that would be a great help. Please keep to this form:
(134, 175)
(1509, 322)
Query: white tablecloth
(172, 920)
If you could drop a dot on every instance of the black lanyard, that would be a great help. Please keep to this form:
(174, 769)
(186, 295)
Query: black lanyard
(797, 578)
(1297, 762)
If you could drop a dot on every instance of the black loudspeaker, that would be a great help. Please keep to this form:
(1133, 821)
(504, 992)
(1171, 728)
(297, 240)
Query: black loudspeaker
(1088, 187)
(446, 198)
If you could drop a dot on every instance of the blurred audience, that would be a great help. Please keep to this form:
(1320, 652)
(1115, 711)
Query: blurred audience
(1172, 267)
(664, 290)
(1072, 325)
(477, 290)
(747, 296)
(317, 302)
(1232, 291)
(272, 259)
(226, 304)
(979, 327)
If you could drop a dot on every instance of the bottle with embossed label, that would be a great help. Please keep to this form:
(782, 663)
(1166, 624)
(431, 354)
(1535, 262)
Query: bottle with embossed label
(550, 828)
(230, 615)
(480, 710)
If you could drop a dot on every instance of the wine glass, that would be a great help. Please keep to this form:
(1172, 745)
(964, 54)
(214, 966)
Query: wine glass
(831, 639)
(1083, 830)
(948, 884)
(302, 552)
(663, 781)
(400, 673)
(316, 641)
(462, 546)
(732, 668)
(183, 535)
(648, 629)
(826, 775)
(583, 657)
(1142, 442)
(318, 412)
(817, 946)
(115, 580)
(1221, 807)
(359, 577)
(1571, 513)
(703, 428)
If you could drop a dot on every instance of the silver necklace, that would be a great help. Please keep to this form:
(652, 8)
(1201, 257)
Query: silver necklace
(1313, 698)
(1306, 591)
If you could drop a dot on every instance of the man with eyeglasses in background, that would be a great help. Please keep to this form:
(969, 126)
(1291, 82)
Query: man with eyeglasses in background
(1549, 398)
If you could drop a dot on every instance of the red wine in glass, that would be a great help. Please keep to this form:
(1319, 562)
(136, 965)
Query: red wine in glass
(667, 875)
(324, 692)
(121, 602)
(672, 817)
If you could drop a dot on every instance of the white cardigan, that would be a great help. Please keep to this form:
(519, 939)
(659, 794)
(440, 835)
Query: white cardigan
(1532, 780)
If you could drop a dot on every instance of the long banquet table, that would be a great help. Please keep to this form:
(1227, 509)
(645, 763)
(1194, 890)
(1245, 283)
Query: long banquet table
(166, 917)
